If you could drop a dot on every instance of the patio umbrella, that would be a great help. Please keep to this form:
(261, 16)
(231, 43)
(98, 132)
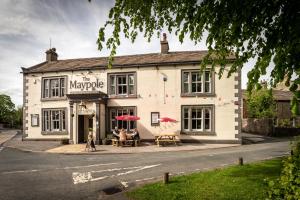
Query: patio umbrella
(167, 119)
(127, 118)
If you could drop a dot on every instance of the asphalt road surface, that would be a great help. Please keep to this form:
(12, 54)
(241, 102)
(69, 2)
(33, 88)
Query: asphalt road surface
(25, 175)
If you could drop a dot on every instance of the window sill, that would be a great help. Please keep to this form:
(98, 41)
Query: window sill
(198, 95)
(198, 133)
(55, 133)
(123, 96)
(54, 99)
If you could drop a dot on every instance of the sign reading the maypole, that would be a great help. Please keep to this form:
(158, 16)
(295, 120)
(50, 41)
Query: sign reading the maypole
(86, 84)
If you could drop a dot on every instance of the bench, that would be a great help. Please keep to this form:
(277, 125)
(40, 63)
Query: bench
(166, 138)
(117, 143)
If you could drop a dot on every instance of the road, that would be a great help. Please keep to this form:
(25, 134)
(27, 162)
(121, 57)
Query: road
(45, 176)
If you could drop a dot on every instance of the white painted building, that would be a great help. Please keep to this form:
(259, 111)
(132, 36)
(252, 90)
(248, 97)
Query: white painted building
(66, 98)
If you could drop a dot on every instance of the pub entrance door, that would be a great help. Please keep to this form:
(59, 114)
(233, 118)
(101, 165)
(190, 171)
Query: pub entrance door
(85, 122)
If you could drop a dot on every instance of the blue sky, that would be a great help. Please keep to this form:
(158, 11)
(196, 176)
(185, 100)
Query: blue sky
(27, 25)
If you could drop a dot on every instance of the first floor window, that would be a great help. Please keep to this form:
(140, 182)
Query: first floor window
(197, 118)
(119, 111)
(122, 84)
(194, 82)
(53, 87)
(54, 120)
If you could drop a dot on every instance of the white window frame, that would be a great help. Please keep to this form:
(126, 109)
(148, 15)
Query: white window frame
(121, 111)
(203, 109)
(47, 88)
(196, 82)
(113, 88)
(202, 81)
(49, 122)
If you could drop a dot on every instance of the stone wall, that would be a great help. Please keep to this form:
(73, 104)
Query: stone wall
(258, 126)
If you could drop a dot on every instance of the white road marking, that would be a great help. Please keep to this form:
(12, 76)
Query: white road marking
(144, 179)
(85, 177)
(81, 177)
(62, 168)
(1, 148)
(95, 165)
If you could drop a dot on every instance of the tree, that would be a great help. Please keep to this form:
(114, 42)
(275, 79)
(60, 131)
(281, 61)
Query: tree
(268, 30)
(18, 117)
(261, 103)
(7, 109)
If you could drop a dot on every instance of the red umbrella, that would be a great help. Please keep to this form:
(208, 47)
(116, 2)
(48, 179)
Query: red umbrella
(127, 118)
(167, 119)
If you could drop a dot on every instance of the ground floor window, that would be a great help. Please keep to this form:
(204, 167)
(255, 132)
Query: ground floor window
(118, 111)
(54, 120)
(197, 118)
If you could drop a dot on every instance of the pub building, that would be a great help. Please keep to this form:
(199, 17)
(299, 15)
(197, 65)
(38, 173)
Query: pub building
(65, 99)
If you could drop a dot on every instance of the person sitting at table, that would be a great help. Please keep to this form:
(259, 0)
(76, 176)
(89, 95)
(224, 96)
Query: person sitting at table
(116, 133)
(135, 134)
(123, 136)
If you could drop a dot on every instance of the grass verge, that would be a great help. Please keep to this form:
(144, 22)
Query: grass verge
(236, 182)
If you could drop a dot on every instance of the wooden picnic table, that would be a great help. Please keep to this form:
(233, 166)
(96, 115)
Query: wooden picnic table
(166, 138)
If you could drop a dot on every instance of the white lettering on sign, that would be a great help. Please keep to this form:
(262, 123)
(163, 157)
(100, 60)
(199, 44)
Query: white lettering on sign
(86, 84)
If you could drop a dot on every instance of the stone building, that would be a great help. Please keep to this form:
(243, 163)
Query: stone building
(67, 98)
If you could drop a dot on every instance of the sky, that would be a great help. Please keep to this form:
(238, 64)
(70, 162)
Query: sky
(26, 27)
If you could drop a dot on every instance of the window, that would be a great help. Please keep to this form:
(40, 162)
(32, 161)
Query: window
(54, 120)
(53, 87)
(197, 118)
(194, 82)
(118, 111)
(122, 84)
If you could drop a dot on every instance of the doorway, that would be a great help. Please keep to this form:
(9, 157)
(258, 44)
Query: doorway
(85, 122)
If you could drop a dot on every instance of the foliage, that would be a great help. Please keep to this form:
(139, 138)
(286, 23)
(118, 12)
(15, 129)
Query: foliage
(236, 182)
(18, 117)
(8, 113)
(7, 108)
(287, 186)
(261, 103)
(267, 30)
(294, 107)
(286, 123)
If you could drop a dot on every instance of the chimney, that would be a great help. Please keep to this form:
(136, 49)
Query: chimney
(164, 45)
(51, 55)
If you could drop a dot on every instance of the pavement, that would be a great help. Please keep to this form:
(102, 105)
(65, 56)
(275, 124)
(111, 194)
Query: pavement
(13, 139)
(55, 147)
(16, 142)
(6, 135)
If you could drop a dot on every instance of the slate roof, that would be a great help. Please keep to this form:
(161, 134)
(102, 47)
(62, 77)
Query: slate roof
(140, 60)
(279, 95)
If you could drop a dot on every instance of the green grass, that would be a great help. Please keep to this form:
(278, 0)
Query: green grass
(236, 182)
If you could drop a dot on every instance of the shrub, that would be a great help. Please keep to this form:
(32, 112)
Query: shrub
(287, 186)
(284, 123)
(261, 103)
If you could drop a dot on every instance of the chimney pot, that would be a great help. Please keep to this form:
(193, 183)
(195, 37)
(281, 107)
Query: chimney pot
(51, 55)
(164, 45)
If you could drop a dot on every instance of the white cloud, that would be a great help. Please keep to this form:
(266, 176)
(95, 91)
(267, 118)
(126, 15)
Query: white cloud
(26, 26)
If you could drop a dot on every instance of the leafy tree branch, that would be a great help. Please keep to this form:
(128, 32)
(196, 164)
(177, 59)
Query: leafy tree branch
(268, 30)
